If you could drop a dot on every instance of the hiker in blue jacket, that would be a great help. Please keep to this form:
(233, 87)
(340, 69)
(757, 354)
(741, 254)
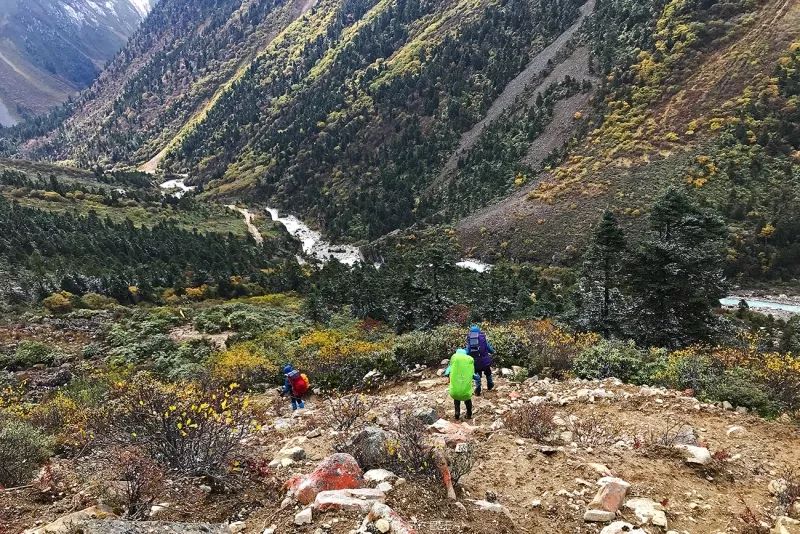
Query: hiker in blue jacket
(481, 351)
(295, 384)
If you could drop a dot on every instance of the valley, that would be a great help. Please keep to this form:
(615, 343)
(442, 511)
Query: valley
(400, 266)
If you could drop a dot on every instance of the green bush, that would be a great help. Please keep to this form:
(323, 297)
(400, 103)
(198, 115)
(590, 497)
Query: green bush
(617, 359)
(23, 449)
(30, 353)
(741, 387)
(95, 301)
(428, 348)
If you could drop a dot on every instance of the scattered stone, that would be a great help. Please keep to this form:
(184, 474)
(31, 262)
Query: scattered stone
(493, 507)
(536, 503)
(270, 529)
(506, 372)
(382, 525)
(727, 405)
(647, 511)
(736, 430)
(384, 487)
(599, 516)
(600, 469)
(64, 524)
(360, 500)
(428, 384)
(303, 517)
(376, 476)
(397, 524)
(236, 527)
(741, 409)
(786, 525)
(694, 454)
(621, 527)
(777, 487)
(337, 472)
(314, 433)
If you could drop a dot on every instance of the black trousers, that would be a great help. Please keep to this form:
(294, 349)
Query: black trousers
(468, 404)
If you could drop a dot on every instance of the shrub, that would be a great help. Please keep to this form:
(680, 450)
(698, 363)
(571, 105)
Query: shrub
(411, 454)
(23, 449)
(142, 479)
(428, 348)
(241, 363)
(95, 301)
(348, 411)
(461, 461)
(533, 421)
(741, 387)
(192, 430)
(30, 353)
(59, 303)
(592, 431)
(617, 359)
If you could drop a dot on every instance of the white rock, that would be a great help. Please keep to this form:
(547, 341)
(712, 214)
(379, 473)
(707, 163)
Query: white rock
(270, 529)
(599, 516)
(379, 475)
(303, 517)
(727, 405)
(736, 430)
(694, 454)
(236, 527)
(493, 507)
(647, 511)
(384, 487)
(383, 525)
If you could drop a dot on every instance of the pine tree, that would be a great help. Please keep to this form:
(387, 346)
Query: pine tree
(601, 299)
(676, 276)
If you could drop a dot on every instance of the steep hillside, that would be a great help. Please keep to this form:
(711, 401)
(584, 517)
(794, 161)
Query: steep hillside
(51, 50)
(708, 104)
(507, 118)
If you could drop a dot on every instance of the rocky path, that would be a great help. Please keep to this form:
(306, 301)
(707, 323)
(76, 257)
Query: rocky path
(248, 220)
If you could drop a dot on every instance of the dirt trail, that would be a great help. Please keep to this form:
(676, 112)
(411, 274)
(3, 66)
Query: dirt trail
(516, 87)
(248, 220)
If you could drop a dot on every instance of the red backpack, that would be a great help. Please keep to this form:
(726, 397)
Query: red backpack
(298, 382)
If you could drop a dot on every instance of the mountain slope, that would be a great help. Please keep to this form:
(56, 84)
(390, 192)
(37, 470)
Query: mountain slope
(507, 118)
(50, 50)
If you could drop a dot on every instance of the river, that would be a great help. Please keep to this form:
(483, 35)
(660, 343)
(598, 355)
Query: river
(761, 304)
(177, 186)
(6, 119)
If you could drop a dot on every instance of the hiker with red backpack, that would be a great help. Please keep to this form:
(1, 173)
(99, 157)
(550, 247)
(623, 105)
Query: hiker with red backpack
(296, 385)
(481, 351)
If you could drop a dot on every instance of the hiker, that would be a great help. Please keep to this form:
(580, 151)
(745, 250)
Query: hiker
(296, 385)
(481, 351)
(462, 374)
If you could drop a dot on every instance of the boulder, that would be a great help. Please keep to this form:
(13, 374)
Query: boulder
(694, 454)
(426, 414)
(359, 500)
(611, 494)
(647, 511)
(337, 472)
(432, 383)
(372, 444)
(64, 524)
(451, 433)
(621, 527)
